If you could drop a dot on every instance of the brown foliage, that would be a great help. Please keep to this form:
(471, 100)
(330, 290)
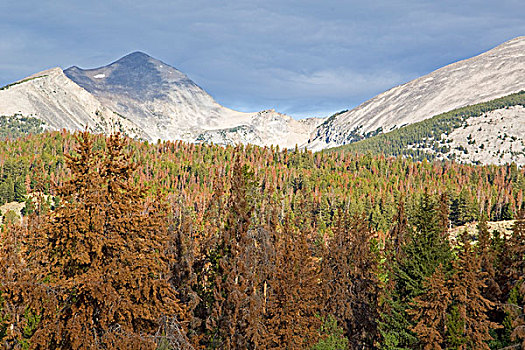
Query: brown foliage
(350, 277)
(96, 268)
(237, 306)
(291, 317)
(430, 311)
(398, 236)
(487, 258)
(466, 287)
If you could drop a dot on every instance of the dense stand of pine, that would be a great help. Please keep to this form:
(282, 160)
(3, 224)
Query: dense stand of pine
(126, 245)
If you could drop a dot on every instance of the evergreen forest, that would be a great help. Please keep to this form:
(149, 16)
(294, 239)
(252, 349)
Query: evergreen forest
(124, 244)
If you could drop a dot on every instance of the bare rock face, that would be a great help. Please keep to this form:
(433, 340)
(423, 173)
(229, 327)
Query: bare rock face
(167, 105)
(60, 103)
(164, 102)
(265, 128)
(147, 99)
(493, 74)
(496, 137)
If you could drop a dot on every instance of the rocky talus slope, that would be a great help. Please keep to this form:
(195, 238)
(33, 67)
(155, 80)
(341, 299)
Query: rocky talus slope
(496, 137)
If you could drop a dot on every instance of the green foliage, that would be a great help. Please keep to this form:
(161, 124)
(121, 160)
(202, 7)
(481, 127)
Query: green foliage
(3, 320)
(395, 325)
(331, 336)
(20, 192)
(463, 209)
(502, 338)
(331, 119)
(427, 248)
(506, 212)
(455, 329)
(11, 218)
(32, 321)
(15, 126)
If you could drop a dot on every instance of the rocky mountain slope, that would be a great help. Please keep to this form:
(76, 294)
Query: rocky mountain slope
(167, 105)
(493, 74)
(148, 99)
(164, 102)
(490, 132)
(60, 103)
(496, 137)
(264, 128)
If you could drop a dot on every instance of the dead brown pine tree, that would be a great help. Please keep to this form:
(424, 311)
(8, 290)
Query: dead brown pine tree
(466, 287)
(350, 272)
(99, 259)
(291, 317)
(430, 311)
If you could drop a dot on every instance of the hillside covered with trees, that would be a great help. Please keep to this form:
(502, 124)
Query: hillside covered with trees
(130, 245)
(423, 140)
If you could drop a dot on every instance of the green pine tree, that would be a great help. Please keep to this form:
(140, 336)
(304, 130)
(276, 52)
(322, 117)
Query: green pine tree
(426, 249)
(20, 191)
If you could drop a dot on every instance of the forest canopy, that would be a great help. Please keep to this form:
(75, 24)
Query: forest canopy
(126, 244)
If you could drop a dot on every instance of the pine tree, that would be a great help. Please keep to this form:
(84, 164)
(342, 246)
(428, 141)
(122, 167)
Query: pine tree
(99, 259)
(183, 258)
(399, 233)
(394, 323)
(12, 272)
(462, 209)
(242, 304)
(444, 214)
(331, 336)
(234, 274)
(487, 250)
(427, 248)
(430, 311)
(20, 191)
(466, 287)
(350, 272)
(486, 257)
(517, 277)
(517, 251)
(292, 310)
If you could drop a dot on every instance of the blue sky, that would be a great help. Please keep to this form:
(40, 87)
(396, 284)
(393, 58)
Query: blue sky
(305, 58)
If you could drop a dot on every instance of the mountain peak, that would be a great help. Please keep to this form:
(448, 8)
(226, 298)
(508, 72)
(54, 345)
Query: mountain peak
(490, 75)
(137, 54)
(137, 75)
(135, 58)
